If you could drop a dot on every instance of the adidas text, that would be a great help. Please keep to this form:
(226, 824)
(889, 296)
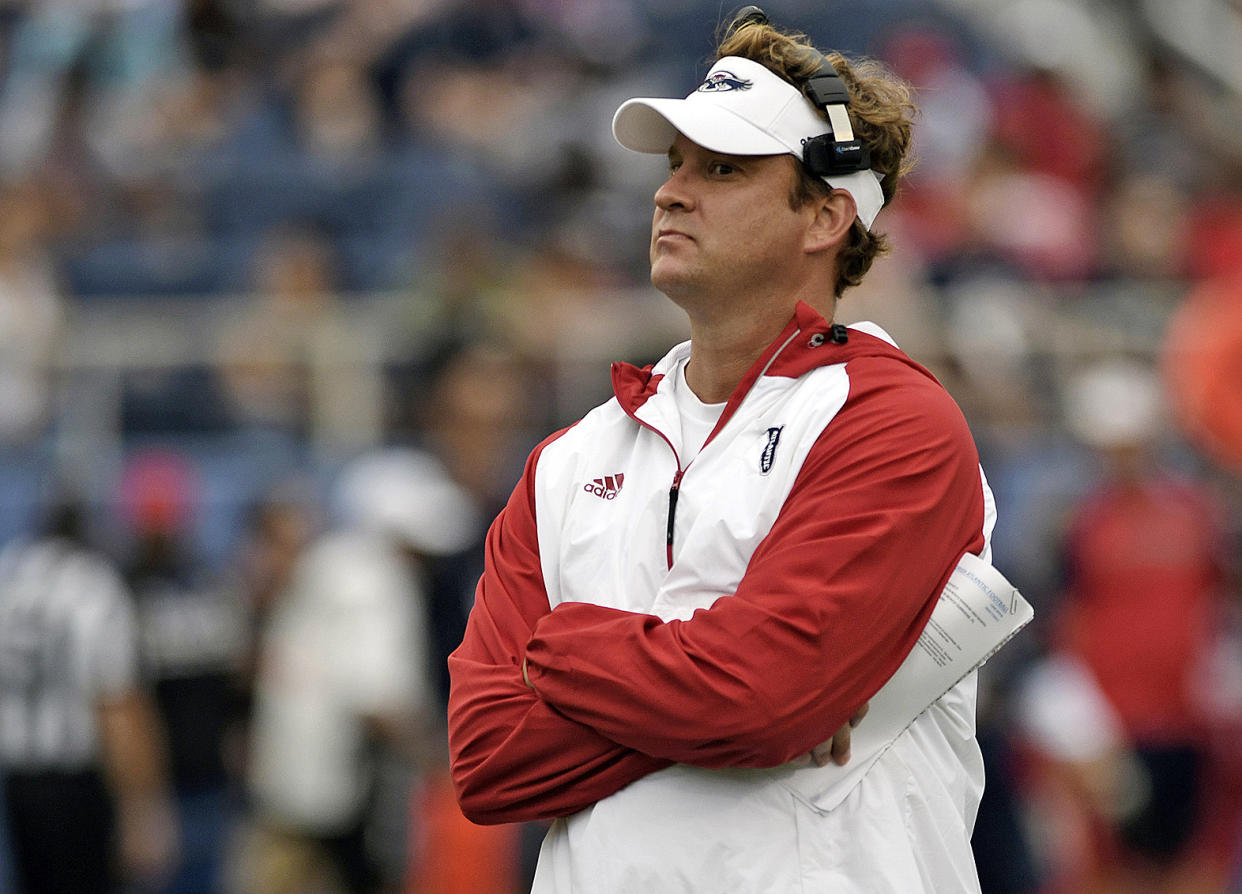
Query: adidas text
(606, 488)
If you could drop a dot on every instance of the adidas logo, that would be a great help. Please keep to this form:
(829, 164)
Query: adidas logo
(607, 487)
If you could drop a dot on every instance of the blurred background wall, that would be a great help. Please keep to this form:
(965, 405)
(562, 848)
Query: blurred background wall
(245, 244)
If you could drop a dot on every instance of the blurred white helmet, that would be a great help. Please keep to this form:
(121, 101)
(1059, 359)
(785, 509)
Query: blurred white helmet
(1115, 403)
(407, 494)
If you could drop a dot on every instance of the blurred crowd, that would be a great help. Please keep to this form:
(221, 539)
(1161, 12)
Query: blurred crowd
(288, 289)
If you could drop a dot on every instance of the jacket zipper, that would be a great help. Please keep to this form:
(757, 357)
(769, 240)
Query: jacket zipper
(677, 476)
(672, 491)
(672, 511)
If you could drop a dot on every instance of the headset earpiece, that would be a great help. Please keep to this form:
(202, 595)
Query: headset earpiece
(824, 156)
(839, 151)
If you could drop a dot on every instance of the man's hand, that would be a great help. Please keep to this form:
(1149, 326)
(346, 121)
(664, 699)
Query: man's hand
(837, 749)
(148, 841)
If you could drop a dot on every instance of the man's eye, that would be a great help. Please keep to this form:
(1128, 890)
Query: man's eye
(722, 168)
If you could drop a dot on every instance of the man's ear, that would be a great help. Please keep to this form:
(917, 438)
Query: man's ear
(834, 216)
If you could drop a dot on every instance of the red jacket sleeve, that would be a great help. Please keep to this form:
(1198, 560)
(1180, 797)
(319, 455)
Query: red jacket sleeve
(512, 756)
(834, 598)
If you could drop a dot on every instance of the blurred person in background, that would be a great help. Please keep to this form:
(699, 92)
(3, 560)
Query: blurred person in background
(475, 420)
(191, 639)
(274, 353)
(263, 353)
(275, 530)
(274, 534)
(1130, 745)
(86, 792)
(118, 54)
(342, 691)
(31, 312)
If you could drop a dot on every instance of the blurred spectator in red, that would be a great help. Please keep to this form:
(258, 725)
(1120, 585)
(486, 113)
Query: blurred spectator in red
(957, 112)
(1202, 361)
(1144, 564)
(1009, 174)
(81, 750)
(953, 133)
(191, 637)
(1216, 235)
(1041, 223)
(1048, 130)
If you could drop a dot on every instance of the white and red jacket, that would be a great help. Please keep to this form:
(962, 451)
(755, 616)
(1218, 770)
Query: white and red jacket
(690, 622)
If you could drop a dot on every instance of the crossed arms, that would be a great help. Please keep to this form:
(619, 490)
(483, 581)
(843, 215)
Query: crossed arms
(830, 604)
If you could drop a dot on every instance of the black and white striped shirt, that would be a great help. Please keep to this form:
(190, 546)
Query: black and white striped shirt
(67, 642)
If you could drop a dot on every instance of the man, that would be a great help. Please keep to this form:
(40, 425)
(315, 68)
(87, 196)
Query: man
(1145, 571)
(86, 794)
(339, 727)
(707, 576)
(191, 637)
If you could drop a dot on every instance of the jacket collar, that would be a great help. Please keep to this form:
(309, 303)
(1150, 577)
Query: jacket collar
(805, 344)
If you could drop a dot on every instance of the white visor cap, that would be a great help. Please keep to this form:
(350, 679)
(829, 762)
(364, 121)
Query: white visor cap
(742, 108)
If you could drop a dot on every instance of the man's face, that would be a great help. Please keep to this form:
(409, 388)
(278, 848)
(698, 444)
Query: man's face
(724, 225)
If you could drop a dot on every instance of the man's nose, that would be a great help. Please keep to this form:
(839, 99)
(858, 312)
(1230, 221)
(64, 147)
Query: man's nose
(675, 192)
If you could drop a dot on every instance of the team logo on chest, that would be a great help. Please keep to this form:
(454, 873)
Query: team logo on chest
(769, 451)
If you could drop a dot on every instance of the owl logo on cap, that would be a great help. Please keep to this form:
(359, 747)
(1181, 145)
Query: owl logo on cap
(722, 81)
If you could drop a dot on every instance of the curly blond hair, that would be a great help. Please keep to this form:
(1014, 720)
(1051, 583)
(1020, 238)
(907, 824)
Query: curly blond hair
(881, 112)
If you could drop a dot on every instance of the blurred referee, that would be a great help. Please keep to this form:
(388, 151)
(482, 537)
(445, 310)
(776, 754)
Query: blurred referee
(85, 795)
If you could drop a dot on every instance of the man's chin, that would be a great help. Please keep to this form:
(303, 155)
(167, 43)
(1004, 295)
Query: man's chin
(670, 280)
